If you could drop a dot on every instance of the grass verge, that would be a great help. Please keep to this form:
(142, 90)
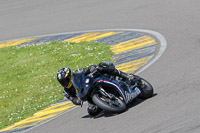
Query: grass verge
(28, 75)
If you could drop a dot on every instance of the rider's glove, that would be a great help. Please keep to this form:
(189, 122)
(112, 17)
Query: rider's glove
(76, 101)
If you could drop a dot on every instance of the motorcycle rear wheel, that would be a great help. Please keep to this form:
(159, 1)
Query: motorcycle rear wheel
(98, 100)
(146, 89)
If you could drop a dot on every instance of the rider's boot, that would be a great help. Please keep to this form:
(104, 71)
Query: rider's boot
(129, 77)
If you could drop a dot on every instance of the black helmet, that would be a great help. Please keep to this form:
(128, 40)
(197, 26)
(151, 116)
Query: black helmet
(64, 77)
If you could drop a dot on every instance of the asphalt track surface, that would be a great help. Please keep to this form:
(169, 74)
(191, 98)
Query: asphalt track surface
(175, 76)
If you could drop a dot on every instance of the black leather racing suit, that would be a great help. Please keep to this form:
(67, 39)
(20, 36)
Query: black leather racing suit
(108, 68)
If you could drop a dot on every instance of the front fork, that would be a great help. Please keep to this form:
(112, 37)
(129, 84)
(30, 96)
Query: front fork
(109, 97)
(104, 93)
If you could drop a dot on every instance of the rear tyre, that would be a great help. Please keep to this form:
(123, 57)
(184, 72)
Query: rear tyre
(103, 103)
(146, 89)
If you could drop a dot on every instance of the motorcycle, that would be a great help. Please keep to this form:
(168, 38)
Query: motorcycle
(110, 93)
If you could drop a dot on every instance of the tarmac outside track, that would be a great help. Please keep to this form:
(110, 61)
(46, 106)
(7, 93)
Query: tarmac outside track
(175, 76)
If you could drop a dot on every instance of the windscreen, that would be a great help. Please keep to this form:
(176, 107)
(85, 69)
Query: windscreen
(78, 81)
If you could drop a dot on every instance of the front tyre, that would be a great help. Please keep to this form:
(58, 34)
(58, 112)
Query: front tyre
(111, 105)
(146, 89)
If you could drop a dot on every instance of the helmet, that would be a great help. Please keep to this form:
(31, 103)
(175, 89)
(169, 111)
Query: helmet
(64, 77)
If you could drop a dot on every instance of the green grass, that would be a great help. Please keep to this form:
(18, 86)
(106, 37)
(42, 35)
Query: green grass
(28, 75)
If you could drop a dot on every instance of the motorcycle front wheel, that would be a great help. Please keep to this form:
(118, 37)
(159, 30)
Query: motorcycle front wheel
(112, 105)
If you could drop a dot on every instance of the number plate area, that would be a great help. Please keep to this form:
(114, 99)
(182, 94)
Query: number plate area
(132, 95)
(137, 90)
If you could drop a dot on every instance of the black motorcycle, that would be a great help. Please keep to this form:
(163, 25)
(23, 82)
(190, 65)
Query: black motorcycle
(110, 93)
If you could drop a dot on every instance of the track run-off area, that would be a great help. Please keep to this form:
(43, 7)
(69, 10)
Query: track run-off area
(134, 50)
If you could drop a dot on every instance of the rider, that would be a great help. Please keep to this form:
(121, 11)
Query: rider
(65, 75)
